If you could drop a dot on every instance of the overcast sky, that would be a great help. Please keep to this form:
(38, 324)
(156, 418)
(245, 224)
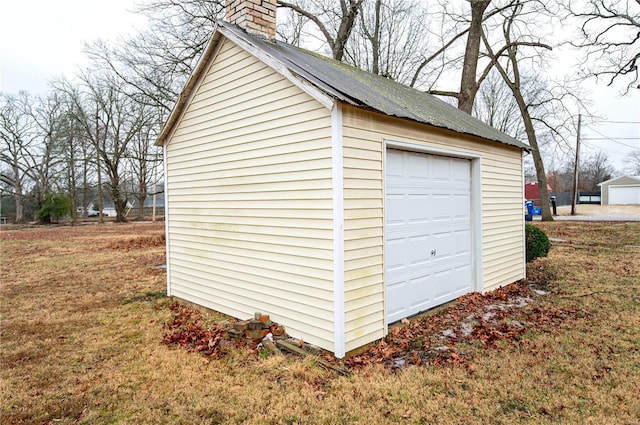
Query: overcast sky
(42, 39)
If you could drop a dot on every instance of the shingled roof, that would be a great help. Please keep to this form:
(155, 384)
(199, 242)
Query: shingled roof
(359, 88)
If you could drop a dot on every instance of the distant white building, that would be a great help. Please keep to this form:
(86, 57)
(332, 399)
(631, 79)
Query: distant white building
(623, 190)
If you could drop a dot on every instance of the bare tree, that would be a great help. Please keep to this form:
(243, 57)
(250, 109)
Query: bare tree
(455, 25)
(111, 119)
(143, 158)
(632, 163)
(45, 156)
(157, 62)
(334, 19)
(610, 38)
(84, 113)
(594, 169)
(468, 83)
(511, 75)
(17, 136)
(122, 118)
(75, 158)
(496, 106)
(389, 38)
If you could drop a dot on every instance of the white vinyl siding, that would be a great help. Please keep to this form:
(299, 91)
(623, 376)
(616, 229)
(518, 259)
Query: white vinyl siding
(249, 197)
(502, 211)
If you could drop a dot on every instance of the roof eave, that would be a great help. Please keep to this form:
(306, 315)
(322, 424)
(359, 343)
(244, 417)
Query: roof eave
(319, 89)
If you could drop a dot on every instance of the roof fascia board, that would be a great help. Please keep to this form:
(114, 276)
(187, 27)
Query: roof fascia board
(211, 51)
(279, 67)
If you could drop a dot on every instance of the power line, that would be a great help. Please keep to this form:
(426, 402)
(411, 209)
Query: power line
(614, 140)
(617, 122)
(606, 138)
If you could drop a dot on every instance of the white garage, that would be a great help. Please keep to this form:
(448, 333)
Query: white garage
(334, 200)
(624, 190)
(428, 246)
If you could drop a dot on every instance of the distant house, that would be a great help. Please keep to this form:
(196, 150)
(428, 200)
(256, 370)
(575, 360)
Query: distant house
(334, 200)
(624, 190)
(532, 192)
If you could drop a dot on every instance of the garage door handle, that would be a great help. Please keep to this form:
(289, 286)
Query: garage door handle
(433, 252)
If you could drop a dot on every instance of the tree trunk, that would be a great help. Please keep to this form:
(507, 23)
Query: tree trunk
(19, 208)
(142, 196)
(72, 183)
(85, 184)
(545, 209)
(116, 194)
(100, 215)
(515, 87)
(468, 82)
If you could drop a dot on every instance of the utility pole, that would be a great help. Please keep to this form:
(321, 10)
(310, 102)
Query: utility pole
(574, 200)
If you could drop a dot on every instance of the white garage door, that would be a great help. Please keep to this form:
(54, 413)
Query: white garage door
(428, 231)
(624, 195)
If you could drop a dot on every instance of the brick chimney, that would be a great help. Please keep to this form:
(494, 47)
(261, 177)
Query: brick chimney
(257, 17)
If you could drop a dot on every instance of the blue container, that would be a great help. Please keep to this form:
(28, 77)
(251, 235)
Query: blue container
(531, 209)
(529, 205)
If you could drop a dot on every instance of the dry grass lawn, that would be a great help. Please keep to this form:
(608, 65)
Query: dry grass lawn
(81, 321)
(601, 210)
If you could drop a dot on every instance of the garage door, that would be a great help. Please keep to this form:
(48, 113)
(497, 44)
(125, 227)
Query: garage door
(428, 256)
(624, 195)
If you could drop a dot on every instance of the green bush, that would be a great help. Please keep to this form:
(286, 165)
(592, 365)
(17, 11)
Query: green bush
(537, 242)
(54, 207)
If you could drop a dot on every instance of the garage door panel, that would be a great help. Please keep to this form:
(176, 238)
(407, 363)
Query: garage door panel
(441, 168)
(421, 292)
(417, 208)
(419, 250)
(462, 240)
(394, 164)
(443, 246)
(395, 254)
(461, 171)
(417, 169)
(441, 284)
(461, 282)
(394, 208)
(428, 227)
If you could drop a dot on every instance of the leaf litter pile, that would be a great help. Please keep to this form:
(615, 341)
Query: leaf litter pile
(447, 337)
(474, 320)
(187, 330)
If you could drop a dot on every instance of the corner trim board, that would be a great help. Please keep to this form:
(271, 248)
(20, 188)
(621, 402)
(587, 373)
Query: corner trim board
(166, 221)
(524, 231)
(338, 231)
